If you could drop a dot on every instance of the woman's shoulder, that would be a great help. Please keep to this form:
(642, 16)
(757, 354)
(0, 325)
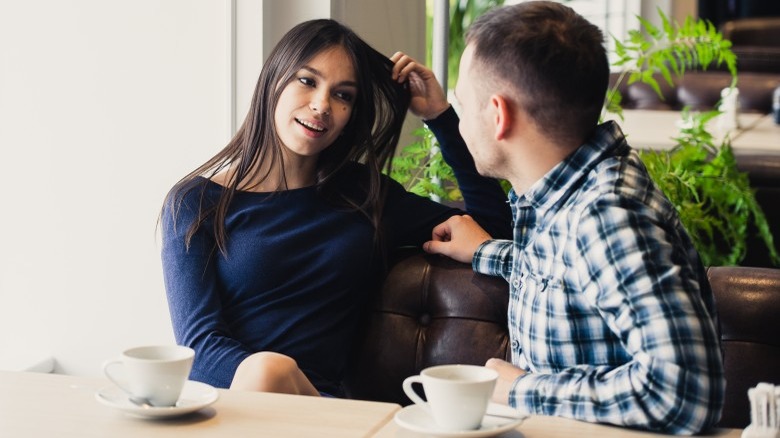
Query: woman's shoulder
(194, 193)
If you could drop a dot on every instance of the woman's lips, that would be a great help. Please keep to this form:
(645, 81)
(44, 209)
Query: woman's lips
(312, 125)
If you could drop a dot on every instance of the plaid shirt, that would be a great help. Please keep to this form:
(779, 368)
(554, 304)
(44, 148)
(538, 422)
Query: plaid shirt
(610, 310)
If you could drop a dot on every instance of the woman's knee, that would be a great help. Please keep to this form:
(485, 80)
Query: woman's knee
(271, 362)
(265, 371)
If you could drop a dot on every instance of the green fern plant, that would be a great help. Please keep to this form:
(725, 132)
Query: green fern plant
(670, 51)
(423, 172)
(713, 198)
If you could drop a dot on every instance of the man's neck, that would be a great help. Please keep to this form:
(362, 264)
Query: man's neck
(534, 157)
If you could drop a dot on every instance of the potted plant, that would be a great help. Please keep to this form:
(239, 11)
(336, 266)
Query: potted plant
(699, 176)
(421, 169)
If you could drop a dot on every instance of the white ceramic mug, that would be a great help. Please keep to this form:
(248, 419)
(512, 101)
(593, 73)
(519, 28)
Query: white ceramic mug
(155, 373)
(457, 395)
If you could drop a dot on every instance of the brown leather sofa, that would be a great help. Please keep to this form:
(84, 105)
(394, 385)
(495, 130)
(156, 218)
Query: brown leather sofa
(700, 90)
(431, 310)
(756, 42)
(763, 170)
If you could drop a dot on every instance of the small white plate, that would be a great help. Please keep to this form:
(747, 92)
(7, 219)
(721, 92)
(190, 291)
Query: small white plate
(194, 396)
(417, 419)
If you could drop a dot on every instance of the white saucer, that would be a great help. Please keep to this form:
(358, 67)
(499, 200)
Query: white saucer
(417, 419)
(194, 396)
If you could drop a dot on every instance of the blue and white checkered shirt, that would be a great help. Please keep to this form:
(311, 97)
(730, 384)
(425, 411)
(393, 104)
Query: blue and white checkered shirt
(610, 310)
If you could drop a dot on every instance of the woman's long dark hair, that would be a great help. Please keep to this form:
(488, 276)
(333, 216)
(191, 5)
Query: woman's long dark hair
(370, 136)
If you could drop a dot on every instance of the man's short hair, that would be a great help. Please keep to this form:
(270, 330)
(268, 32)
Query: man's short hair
(553, 58)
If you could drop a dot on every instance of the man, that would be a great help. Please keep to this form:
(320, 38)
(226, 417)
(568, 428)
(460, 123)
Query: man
(611, 318)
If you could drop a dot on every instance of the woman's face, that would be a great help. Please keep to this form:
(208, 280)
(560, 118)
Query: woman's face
(316, 105)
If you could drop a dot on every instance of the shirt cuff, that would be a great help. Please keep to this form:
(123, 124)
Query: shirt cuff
(524, 395)
(494, 257)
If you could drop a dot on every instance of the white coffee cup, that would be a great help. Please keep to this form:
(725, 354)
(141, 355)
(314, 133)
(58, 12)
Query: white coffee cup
(457, 395)
(154, 374)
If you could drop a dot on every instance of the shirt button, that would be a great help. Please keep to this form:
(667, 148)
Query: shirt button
(515, 344)
(516, 283)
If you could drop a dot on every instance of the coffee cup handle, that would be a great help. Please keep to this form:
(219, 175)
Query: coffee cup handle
(107, 365)
(411, 393)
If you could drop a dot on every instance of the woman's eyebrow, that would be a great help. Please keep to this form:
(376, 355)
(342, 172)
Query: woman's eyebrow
(317, 73)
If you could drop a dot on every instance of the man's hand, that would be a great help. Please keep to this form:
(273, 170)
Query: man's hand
(458, 238)
(428, 97)
(507, 374)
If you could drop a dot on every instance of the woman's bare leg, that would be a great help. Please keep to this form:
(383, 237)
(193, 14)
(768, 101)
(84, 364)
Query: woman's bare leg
(272, 372)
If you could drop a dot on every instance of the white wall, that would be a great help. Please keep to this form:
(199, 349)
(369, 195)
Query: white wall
(103, 106)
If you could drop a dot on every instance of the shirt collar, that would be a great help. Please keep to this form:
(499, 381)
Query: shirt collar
(606, 140)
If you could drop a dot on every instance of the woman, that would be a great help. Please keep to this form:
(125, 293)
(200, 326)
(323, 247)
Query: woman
(271, 247)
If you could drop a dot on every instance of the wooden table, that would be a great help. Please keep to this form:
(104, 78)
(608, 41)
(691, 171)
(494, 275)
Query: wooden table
(762, 136)
(648, 129)
(34, 405)
(556, 427)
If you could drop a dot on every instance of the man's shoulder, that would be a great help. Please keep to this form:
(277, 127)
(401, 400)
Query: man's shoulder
(623, 176)
(618, 186)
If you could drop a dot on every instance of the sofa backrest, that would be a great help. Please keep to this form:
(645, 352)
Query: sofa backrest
(700, 91)
(432, 310)
(755, 31)
(756, 42)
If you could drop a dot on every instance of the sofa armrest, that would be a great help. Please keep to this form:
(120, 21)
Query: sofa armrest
(748, 302)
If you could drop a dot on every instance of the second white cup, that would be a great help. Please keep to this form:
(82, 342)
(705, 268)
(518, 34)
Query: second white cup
(457, 395)
(155, 373)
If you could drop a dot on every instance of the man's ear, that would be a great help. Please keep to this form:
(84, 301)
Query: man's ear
(502, 116)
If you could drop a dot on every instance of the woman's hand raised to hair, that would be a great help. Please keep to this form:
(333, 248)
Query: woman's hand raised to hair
(428, 97)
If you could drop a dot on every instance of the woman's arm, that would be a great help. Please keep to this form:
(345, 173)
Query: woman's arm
(192, 287)
(484, 198)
